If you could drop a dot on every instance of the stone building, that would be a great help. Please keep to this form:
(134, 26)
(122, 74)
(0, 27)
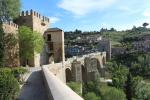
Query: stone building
(11, 53)
(37, 23)
(53, 50)
(143, 44)
(118, 50)
(105, 45)
(54, 46)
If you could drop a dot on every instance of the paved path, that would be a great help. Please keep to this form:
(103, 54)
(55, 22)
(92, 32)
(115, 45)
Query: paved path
(34, 89)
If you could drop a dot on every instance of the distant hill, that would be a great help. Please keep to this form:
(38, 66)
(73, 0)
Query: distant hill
(115, 36)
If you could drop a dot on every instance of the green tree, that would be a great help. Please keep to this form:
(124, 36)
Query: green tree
(141, 67)
(131, 85)
(142, 91)
(92, 86)
(145, 24)
(8, 9)
(9, 86)
(111, 93)
(77, 31)
(119, 75)
(30, 42)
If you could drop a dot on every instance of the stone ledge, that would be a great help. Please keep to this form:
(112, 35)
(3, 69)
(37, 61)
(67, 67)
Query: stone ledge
(57, 89)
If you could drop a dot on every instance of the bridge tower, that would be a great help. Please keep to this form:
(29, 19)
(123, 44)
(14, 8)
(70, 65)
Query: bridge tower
(37, 23)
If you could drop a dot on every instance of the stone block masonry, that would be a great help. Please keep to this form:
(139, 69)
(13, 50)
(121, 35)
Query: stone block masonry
(11, 53)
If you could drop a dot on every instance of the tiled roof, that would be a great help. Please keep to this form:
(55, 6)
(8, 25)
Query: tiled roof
(53, 29)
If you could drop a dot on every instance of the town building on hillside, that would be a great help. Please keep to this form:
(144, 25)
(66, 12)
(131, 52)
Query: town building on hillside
(74, 51)
(105, 45)
(143, 45)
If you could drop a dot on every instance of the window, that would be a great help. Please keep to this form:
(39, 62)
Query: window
(48, 37)
(51, 46)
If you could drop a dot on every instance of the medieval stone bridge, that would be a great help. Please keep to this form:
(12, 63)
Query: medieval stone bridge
(49, 82)
(79, 69)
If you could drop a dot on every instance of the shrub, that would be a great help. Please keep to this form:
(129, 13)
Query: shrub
(9, 86)
(91, 96)
(76, 87)
(18, 73)
(142, 91)
(112, 93)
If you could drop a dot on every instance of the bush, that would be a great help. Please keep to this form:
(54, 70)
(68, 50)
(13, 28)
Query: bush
(142, 91)
(18, 73)
(76, 87)
(19, 70)
(9, 86)
(91, 96)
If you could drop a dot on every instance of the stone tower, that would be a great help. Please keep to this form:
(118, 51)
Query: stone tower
(37, 23)
(54, 46)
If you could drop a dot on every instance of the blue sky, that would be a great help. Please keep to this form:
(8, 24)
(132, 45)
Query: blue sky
(90, 15)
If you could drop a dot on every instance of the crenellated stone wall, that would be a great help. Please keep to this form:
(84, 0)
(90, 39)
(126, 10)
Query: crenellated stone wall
(34, 20)
(11, 54)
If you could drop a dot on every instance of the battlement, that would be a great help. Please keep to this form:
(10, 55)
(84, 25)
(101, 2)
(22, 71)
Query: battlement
(10, 24)
(10, 27)
(36, 14)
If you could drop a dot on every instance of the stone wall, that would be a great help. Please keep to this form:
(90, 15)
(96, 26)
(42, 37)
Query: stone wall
(11, 58)
(78, 67)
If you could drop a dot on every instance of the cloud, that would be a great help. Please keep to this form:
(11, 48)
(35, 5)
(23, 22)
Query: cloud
(146, 13)
(83, 7)
(54, 19)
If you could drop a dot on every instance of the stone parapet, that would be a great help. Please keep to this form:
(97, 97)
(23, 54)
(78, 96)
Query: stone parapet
(57, 89)
(10, 27)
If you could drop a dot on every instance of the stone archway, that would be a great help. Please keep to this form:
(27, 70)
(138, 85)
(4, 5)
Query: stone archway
(68, 75)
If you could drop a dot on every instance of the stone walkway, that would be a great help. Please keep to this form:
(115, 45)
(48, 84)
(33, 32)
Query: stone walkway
(34, 89)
